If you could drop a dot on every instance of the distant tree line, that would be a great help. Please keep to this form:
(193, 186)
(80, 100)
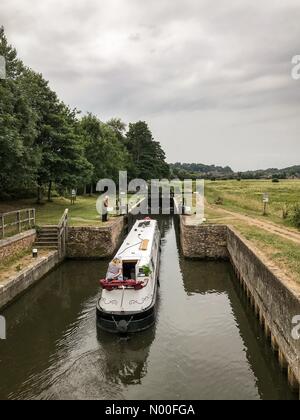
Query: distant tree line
(212, 172)
(200, 171)
(45, 145)
(272, 173)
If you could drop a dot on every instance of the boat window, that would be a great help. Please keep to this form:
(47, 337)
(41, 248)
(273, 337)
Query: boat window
(144, 224)
(129, 270)
(141, 272)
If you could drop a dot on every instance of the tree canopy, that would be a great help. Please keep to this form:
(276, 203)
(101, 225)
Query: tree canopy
(147, 155)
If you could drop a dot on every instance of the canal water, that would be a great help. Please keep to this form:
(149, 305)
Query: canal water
(206, 343)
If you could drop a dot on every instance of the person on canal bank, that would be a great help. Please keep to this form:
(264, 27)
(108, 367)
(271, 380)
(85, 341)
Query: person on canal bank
(105, 209)
(73, 196)
(115, 270)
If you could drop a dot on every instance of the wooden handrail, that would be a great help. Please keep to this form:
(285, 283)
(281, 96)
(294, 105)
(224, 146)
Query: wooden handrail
(19, 220)
(63, 234)
(15, 211)
(64, 218)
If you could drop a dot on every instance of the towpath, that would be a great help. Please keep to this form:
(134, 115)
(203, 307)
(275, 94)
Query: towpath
(281, 231)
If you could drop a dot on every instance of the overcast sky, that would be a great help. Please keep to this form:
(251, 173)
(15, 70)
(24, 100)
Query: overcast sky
(212, 78)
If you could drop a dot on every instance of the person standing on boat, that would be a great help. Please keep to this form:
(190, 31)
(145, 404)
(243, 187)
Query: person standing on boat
(73, 196)
(115, 270)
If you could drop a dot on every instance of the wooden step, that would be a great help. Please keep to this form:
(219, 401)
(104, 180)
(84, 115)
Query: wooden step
(49, 230)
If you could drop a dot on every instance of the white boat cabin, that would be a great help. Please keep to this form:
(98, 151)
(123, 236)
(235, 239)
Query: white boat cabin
(140, 256)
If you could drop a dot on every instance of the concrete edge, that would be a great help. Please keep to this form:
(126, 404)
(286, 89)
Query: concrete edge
(19, 284)
(16, 238)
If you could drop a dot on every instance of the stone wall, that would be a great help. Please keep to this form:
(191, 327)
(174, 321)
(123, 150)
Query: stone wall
(95, 242)
(19, 283)
(15, 245)
(203, 241)
(275, 298)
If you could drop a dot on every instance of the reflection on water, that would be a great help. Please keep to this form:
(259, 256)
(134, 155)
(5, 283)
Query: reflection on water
(206, 342)
(126, 358)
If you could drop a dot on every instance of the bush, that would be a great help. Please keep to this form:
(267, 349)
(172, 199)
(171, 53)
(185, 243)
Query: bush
(147, 270)
(296, 216)
(275, 180)
(219, 201)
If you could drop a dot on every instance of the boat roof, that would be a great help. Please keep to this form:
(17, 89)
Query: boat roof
(138, 244)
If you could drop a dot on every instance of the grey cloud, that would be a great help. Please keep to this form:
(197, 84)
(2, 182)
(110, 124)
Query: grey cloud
(223, 69)
(135, 37)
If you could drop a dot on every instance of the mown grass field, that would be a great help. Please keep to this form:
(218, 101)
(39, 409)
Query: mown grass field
(246, 197)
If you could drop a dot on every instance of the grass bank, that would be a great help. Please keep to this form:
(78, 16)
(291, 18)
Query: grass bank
(82, 213)
(282, 252)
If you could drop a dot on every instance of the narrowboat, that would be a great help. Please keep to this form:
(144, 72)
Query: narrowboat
(128, 301)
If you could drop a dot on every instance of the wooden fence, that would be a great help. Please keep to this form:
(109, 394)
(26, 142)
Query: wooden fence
(15, 222)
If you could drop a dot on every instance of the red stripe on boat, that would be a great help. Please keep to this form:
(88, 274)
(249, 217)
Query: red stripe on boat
(115, 284)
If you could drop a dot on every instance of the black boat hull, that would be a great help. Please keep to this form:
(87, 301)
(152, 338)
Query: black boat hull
(119, 323)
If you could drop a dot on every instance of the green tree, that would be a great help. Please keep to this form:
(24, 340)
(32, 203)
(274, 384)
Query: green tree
(18, 163)
(57, 142)
(103, 149)
(91, 132)
(119, 128)
(14, 66)
(147, 154)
